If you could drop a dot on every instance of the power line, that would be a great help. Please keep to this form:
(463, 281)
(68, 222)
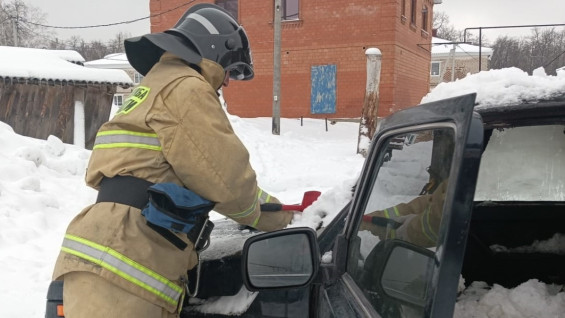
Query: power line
(108, 24)
(547, 64)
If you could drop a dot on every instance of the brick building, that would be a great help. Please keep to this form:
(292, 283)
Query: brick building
(328, 37)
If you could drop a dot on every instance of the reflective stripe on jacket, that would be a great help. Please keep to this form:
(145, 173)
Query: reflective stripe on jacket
(124, 267)
(423, 228)
(125, 138)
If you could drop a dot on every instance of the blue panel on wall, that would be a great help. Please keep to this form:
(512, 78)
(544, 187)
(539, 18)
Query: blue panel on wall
(322, 96)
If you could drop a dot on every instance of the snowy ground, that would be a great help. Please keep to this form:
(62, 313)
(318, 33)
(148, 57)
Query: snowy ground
(42, 188)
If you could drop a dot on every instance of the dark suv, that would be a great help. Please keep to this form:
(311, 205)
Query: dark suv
(468, 185)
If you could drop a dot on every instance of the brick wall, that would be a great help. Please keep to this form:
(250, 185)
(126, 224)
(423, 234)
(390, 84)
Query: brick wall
(328, 32)
(467, 64)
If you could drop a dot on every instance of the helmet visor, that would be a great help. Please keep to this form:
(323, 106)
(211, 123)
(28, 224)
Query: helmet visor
(240, 72)
(238, 60)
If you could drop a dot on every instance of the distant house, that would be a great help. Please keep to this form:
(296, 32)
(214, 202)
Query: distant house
(323, 45)
(50, 92)
(454, 60)
(117, 61)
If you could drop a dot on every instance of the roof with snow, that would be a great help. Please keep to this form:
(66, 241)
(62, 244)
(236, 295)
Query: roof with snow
(61, 67)
(111, 61)
(442, 47)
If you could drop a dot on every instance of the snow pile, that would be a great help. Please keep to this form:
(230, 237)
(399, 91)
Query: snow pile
(530, 299)
(554, 245)
(507, 86)
(41, 189)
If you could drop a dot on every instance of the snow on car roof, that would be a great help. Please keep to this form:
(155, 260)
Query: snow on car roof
(508, 86)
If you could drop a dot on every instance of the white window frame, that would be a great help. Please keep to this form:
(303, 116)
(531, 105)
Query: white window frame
(137, 78)
(118, 100)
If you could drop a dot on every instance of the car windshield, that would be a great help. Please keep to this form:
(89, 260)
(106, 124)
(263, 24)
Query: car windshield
(523, 164)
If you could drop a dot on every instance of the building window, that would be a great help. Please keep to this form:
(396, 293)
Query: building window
(413, 12)
(118, 100)
(137, 78)
(425, 18)
(290, 9)
(434, 69)
(229, 5)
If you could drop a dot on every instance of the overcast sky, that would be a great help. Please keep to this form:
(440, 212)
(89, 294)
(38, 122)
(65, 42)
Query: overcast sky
(78, 13)
(486, 13)
(463, 14)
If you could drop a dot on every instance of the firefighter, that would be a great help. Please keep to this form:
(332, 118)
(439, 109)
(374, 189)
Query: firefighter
(416, 221)
(172, 129)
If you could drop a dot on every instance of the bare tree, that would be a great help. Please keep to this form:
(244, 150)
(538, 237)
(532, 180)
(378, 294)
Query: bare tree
(548, 48)
(506, 49)
(56, 44)
(21, 25)
(541, 49)
(96, 49)
(75, 42)
(116, 45)
(443, 29)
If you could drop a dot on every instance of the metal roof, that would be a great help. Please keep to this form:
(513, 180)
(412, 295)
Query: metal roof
(54, 67)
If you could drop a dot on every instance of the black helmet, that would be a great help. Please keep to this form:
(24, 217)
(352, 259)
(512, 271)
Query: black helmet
(204, 31)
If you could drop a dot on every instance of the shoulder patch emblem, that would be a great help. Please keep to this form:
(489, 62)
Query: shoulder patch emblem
(137, 96)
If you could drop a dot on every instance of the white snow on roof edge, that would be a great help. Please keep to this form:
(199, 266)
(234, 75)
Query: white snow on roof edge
(114, 60)
(441, 47)
(67, 55)
(25, 63)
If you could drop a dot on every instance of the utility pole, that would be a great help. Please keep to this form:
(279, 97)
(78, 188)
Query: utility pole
(277, 70)
(15, 30)
(453, 63)
(1, 24)
(15, 27)
(369, 115)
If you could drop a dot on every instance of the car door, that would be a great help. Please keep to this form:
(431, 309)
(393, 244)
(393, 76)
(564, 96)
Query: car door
(401, 252)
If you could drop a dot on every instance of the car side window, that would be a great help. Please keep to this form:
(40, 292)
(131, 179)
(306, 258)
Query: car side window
(405, 201)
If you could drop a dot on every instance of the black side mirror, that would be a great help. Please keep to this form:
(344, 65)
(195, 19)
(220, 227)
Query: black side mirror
(283, 259)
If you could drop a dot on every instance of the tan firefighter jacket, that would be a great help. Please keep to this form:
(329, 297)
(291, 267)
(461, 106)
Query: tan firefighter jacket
(420, 219)
(172, 128)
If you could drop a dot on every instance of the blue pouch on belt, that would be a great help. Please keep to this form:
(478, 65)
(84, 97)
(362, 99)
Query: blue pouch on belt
(174, 207)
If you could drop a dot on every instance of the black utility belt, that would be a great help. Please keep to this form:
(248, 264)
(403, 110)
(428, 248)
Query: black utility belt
(168, 208)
